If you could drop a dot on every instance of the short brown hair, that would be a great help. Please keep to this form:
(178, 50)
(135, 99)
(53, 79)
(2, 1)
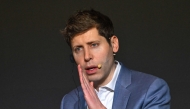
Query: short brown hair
(84, 20)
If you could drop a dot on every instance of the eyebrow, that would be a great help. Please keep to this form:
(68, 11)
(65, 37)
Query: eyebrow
(87, 43)
(92, 42)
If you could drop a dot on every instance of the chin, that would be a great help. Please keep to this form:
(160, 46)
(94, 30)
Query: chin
(93, 78)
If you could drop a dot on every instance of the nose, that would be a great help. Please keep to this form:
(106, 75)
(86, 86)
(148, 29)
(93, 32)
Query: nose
(87, 55)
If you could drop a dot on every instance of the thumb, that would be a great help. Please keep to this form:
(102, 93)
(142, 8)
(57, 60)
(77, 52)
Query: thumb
(92, 83)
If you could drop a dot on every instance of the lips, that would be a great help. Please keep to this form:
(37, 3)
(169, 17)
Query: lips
(91, 70)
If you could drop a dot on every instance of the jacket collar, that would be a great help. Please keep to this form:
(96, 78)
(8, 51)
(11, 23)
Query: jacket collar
(122, 94)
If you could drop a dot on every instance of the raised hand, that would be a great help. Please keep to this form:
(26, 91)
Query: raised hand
(90, 95)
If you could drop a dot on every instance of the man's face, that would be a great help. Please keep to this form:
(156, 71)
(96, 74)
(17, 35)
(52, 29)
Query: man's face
(91, 49)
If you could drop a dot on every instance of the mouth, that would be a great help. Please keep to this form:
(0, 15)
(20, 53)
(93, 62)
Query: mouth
(91, 70)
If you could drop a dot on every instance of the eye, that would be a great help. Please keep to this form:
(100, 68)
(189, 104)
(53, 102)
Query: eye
(94, 45)
(78, 49)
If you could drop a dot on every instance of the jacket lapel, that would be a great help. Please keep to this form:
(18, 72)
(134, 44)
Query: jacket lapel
(122, 94)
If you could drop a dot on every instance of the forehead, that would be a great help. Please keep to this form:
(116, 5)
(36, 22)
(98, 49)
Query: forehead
(89, 36)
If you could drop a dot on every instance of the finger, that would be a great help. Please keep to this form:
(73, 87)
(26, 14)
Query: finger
(88, 84)
(80, 73)
(81, 77)
(92, 84)
(83, 80)
(92, 89)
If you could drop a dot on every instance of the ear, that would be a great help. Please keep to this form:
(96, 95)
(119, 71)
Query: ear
(114, 43)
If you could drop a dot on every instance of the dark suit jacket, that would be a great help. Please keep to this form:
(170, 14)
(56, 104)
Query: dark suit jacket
(133, 90)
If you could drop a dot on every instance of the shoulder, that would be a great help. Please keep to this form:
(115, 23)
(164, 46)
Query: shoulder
(71, 98)
(147, 80)
(152, 90)
(149, 83)
(157, 95)
(143, 78)
(138, 78)
(73, 95)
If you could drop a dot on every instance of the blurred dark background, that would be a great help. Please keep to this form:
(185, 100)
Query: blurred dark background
(35, 71)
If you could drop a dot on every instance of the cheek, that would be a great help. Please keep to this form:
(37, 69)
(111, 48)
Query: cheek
(100, 52)
(78, 59)
(104, 49)
(104, 55)
(78, 56)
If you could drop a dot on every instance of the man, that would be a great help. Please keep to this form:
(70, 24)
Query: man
(105, 82)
